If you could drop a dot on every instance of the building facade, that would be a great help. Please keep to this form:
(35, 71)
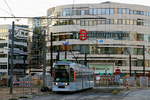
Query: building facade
(20, 49)
(116, 32)
(36, 45)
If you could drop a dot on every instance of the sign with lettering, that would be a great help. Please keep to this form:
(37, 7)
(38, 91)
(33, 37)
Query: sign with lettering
(83, 34)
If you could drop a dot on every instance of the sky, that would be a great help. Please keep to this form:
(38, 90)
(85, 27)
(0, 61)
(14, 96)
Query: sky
(33, 8)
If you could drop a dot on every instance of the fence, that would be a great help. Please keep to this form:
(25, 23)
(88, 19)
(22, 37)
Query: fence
(117, 81)
(25, 85)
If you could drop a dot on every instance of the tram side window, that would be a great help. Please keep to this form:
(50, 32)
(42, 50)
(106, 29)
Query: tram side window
(71, 74)
(79, 76)
(91, 77)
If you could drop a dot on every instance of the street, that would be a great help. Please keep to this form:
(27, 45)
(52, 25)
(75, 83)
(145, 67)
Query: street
(138, 95)
(95, 95)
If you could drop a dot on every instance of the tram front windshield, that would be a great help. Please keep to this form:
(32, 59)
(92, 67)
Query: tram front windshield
(61, 73)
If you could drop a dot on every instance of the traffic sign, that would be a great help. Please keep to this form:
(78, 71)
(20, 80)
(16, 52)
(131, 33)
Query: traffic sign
(101, 41)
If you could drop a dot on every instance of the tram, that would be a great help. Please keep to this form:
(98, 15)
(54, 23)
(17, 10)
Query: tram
(70, 77)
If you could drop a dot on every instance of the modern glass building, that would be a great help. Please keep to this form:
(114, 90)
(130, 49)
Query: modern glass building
(115, 31)
(20, 50)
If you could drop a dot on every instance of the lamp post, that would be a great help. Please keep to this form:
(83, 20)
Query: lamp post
(130, 69)
(44, 58)
(85, 59)
(11, 57)
(51, 53)
(143, 60)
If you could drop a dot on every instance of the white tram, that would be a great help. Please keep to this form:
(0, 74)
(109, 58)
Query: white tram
(70, 76)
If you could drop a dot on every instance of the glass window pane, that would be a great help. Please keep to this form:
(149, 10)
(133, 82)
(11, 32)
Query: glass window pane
(115, 21)
(127, 22)
(131, 12)
(99, 11)
(95, 11)
(131, 22)
(119, 21)
(86, 12)
(127, 11)
(103, 11)
(91, 11)
(107, 11)
(82, 12)
(111, 11)
(82, 23)
(120, 11)
(78, 12)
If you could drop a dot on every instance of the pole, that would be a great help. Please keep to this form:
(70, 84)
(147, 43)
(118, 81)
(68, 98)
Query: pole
(143, 60)
(85, 59)
(58, 54)
(11, 57)
(130, 69)
(65, 54)
(51, 54)
(44, 60)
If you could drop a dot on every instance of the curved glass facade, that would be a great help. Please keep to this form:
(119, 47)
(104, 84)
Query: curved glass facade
(114, 32)
(93, 22)
(100, 11)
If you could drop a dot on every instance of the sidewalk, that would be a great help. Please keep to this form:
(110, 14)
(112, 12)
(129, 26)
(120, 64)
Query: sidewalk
(18, 92)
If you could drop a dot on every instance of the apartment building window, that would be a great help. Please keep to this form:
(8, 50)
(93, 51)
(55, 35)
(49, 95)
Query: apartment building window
(95, 12)
(119, 21)
(140, 22)
(3, 66)
(112, 11)
(127, 11)
(120, 10)
(86, 12)
(140, 37)
(67, 12)
(90, 22)
(107, 11)
(99, 12)
(148, 38)
(78, 12)
(82, 12)
(2, 45)
(131, 12)
(139, 63)
(103, 12)
(82, 22)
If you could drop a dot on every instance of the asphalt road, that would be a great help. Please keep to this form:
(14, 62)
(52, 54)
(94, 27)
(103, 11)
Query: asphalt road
(136, 94)
(139, 94)
(84, 95)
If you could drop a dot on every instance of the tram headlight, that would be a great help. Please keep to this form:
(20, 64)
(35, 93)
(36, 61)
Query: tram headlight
(56, 83)
(66, 83)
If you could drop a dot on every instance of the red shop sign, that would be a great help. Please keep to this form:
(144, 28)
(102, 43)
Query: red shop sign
(83, 34)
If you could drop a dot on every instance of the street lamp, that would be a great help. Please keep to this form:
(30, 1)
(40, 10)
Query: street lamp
(143, 60)
(130, 69)
(11, 57)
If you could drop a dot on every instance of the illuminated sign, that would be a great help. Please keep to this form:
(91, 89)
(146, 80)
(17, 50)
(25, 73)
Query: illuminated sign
(83, 34)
